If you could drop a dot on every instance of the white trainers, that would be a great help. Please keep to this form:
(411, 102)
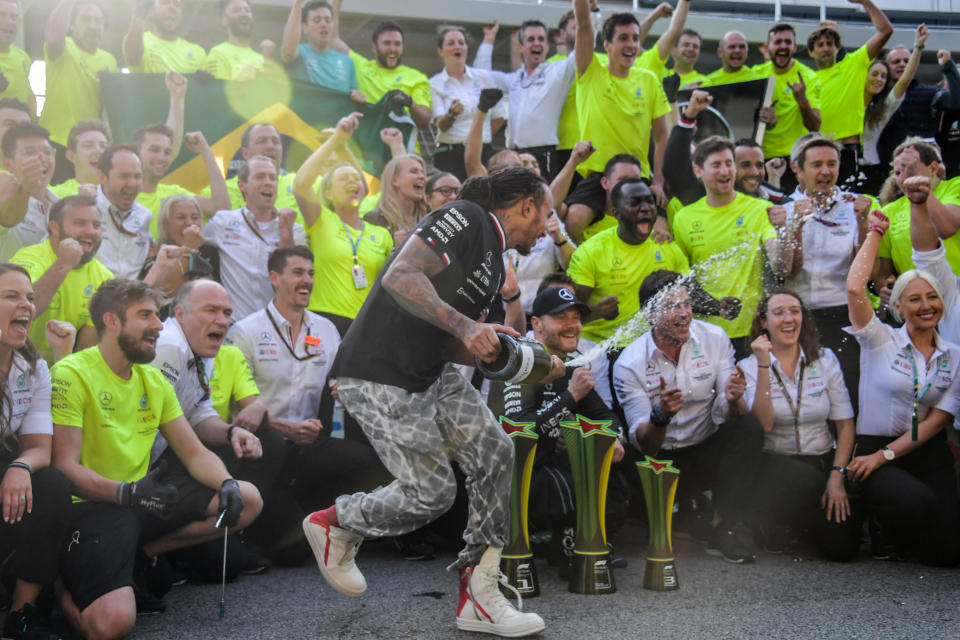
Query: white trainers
(485, 609)
(335, 550)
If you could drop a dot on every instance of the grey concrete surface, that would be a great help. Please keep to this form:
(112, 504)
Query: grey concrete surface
(781, 596)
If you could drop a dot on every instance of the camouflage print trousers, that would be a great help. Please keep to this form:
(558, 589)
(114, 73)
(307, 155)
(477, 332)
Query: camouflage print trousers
(416, 435)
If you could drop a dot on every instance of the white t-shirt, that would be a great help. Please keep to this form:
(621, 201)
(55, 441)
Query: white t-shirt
(29, 397)
(871, 135)
(32, 229)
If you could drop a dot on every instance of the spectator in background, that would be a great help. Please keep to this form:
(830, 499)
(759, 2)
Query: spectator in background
(316, 60)
(235, 59)
(14, 61)
(732, 50)
(160, 48)
(441, 187)
(685, 55)
(13, 111)
(127, 242)
(25, 199)
(87, 140)
(402, 204)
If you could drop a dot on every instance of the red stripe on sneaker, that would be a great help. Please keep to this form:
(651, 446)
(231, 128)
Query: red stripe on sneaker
(318, 518)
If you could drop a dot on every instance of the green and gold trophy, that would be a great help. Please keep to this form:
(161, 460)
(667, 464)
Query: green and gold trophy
(516, 560)
(659, 479)
(590, 446)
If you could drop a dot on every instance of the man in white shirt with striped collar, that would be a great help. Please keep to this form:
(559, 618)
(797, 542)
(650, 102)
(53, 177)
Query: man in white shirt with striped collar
(127, 242)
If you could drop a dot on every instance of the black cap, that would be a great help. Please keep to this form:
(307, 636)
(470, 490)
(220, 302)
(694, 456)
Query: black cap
(556, 299)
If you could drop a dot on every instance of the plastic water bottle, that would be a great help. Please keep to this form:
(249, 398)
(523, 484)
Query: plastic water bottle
(337, 427)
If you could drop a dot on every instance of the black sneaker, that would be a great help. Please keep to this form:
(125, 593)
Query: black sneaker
(882, 545)
(725, 543)
(26, 624)
(148, 604)
(412, 547)
(251, 562)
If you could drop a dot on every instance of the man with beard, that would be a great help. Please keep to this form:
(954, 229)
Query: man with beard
(109, 406)
(14, 61)
(234, 59)
(434, 292)
(24, 196)
(127, 242)
(316, 60)
(732, 50)
(160, 48)
(87, 140)
(64, 272)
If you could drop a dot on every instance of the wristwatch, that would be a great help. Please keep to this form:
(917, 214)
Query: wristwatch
(888, 454)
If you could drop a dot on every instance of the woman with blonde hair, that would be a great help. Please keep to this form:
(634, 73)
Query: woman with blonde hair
(402, 202)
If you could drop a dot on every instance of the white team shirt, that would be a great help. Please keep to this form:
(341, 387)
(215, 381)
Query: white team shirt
(444, 89)
(29, 397)
(126, 237)
(887, 362)
(245, 244)
(32, 229)
(543, 259)
(705, 365)
(935, 262)
(829, 246)
(290, 371)
(825, 398)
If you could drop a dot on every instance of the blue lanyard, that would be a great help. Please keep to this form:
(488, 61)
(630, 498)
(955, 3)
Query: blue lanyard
(355, 247)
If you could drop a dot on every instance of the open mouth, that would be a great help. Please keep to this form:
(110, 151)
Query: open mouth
(19, 325)
(216, 336)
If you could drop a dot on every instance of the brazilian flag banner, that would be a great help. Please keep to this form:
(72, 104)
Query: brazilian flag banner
(223, 109)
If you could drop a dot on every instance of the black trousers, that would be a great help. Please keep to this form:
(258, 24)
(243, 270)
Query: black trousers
(849, 167)
(449, 157)
(547, 158)
(830, 323)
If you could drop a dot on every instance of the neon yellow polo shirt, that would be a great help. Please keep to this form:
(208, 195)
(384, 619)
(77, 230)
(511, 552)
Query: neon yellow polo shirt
(73, 88)
(616, 114)
(231, 380)
(66, 188)
(725, 249)
(119, 418)
(227, 61)
(15, 65)
(597, 226)
(719, 77)
(779, 140)
(841, 95)
(614, 268)
(896, 242)
(153, 201)
(651, 61)
(160, 56)
(685, 78)
(375, 81)
(71, 301)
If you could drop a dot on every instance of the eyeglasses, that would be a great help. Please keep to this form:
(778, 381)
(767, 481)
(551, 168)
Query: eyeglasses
(446, 192)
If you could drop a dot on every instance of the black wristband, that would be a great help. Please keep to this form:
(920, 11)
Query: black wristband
(657, 418)
(560, 244)
(230, 432)
(512, 298)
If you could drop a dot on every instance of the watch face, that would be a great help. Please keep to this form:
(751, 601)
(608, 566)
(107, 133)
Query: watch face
(887, 453)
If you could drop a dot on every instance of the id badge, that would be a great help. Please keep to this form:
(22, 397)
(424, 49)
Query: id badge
(359, 276)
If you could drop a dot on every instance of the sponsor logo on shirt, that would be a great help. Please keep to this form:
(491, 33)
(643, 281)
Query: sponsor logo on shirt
(143, 401)
(106, 398)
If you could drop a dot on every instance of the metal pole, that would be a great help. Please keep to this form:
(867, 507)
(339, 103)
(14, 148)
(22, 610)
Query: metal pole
(777, 10)
(823, 10)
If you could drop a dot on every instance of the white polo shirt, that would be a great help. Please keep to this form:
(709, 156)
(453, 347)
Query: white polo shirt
(245, 244)
(444, 89)
(825, 398)
(32, 229)
(935, 262)
(126, 237)
(886, 379)
(705, 364)
(829, 246)
(536, 99)
(29, 396)
(543, 259)
(290, 371)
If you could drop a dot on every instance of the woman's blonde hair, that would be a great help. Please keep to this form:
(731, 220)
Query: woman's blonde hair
(906, 278)
(164, 214)
(391, 202)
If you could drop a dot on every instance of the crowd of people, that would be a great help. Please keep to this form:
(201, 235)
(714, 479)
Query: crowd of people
(778, 316)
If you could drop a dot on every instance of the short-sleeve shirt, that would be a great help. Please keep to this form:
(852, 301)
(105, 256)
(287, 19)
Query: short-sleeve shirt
(66, 188)
(332, 242)
(896, 242)
(73, 88)
(651, 61)
(161, 55)
(444, 89)
(29, 397)
(30, 230)
(841, 95)
(722, 76)
(285, 197)
(728, 242)
(120, 418)
(614, 268)
(176, 361)
(374, 81)
(616, 114)
(152, 201)
(685, 78)
(231, 380)
(228, 61)
(330, 69)
(15, 66)
(779, 140)
(71, 301)
(126, 237)
(469, 241)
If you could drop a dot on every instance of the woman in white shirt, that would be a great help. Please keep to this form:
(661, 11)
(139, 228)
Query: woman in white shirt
(793, 388)
(909, 391)
(35, 497)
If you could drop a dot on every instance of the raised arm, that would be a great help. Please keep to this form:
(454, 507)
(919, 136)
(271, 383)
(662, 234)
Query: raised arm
(219, 199)
(307, 199)
(133, 41)
(291, 34)
(662, 10)
(560, 186)
(910, 70)
(338, 43)
(880, 23)
(661, 131)
(668, 40)
(177, 87)
(948, 100)
(584, 41)
(58, 26)
(858, 304)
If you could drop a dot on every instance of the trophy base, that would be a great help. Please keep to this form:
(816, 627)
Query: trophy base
(521, 573)
(591, 574)
(661, 575)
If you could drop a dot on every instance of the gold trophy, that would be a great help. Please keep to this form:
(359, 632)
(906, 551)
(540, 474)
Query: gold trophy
(516, 560)
(659, 479)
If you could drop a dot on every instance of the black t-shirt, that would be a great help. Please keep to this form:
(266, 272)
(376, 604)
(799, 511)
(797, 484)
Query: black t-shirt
(590, 192)
(389, 345)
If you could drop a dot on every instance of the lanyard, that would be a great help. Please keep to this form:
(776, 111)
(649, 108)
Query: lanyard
(287, 344)
(253, 226)
(355, 246)
(794, 409)
(201, 376)
(113, 211)
(917, 396)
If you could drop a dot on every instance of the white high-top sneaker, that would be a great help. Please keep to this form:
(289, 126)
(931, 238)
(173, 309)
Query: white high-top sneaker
(335, 550)
(485, 609)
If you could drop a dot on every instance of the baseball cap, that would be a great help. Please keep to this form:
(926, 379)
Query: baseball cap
(556, 299)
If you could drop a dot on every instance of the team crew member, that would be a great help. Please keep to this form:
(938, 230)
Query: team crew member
(35, 496)
(14, 61)
(108, 408)
(160, 48)
(65, 272)
(732, 50)
(842, 107)
(30, 161)
(246, 236)
(126, 228)
(685, 56)
(443, 277)
(909, 391)
(234, 59)
(793, 388)
(231, 384)
(588, 209)
(87, 140)
(316, 60)
(683, 398)
(640, 108)
(615, 262)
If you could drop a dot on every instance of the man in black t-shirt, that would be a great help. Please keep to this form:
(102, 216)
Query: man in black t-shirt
(396, 377)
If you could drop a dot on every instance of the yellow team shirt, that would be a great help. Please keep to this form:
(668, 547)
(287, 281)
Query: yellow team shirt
(73, 88)
(779, 140)
(725, 249)
(616, 114)
(119, 418)
(228, 61)
(153, 201)
(614, 268)
(333, 287)
(231, 380)
(719, 77)
(685, 78)
(375, 81)
(896, 242)
(597, 226)
(67, 188)
(651, 61)
(71, 302)
(160, 56)
(841, 95)
(15, 66)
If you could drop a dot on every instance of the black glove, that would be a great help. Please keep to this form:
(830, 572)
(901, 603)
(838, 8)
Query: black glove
(399, 98)
(488, 99)
(150, 494)
(671, 86)
(231, 501)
